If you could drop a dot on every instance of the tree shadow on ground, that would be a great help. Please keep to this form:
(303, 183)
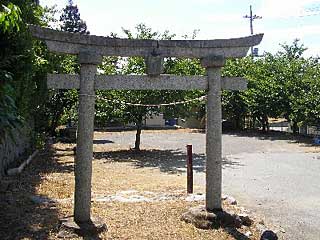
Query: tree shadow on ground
(21, 217)
(169, 161)
(102, 141)
(235, 233)
(229, 224)
(274, 136)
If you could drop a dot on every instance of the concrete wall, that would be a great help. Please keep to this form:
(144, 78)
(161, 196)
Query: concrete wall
(303, 130)
(313, 130)
(11, 149)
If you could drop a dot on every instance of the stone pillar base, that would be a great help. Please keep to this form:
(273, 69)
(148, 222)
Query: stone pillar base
(203, 219)
(69, 228)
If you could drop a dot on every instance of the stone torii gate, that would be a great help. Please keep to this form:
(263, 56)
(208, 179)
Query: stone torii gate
(90, 50)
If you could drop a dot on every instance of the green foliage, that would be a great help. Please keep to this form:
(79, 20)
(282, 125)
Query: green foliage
(279, 85)
(116, 111)
(10, 18)
(10, 21)
(23, 67)
(293, 51)
(234, 103)
(61, 106)
(9, 119)
(71, 21)
(185, 66)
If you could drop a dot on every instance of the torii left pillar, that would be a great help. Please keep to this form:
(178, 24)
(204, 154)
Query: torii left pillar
(84, 153)
(213, 65)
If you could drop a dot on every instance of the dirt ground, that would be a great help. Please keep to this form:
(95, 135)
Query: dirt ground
(33, 203)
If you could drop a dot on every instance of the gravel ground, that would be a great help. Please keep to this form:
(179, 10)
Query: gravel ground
(130, 193)
(275, 176)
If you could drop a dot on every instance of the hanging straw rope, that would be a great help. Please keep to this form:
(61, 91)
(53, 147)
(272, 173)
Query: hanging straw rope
(147, 105)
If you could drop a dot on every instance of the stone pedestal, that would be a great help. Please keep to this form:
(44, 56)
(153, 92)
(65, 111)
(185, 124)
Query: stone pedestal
(69, 228)
(203, 219)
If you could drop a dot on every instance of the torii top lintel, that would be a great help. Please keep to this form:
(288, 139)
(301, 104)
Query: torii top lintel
(74, 43)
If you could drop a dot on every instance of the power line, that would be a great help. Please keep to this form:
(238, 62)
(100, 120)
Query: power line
(199, 99)
(252, 18)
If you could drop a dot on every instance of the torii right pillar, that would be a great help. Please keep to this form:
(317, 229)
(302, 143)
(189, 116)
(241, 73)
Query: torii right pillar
(213, 65)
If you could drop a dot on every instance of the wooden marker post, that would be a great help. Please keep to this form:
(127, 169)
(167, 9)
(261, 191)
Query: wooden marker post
(189, 169)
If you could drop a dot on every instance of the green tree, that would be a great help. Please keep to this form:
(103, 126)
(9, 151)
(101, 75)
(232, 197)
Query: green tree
(304, 94)
(10, 21)
(310, 97)
(71, 21)
(62, 104)
(20, 80)
(292, 79)
(136, 65)
(279, 85)
(235, 103)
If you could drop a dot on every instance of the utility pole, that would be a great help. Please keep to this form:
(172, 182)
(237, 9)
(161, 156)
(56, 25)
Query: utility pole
(252, 18)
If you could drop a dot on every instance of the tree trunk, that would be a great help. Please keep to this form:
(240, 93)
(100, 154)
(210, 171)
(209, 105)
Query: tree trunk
(265, 124)
(238, 123)
(295, 128)
(54, 123)
(254, 122)
(138, 137)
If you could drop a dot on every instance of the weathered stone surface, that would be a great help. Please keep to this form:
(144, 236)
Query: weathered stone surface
(14, 146)
(84, 154)
(63, 81)
(87, 57)
(73, 48)
(136, 82)
(70, 228)
(214, 141)
(73, 43)
(216, 43)
(50, 34)
(229, 219)
(140, 82)
(201, 218)
(233, 83)
(213, 61)
(154, 65)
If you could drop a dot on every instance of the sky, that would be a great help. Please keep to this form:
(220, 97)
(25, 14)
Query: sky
(282, 20)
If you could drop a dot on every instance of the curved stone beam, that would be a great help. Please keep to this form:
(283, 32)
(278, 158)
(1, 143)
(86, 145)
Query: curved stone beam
(73, 43)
